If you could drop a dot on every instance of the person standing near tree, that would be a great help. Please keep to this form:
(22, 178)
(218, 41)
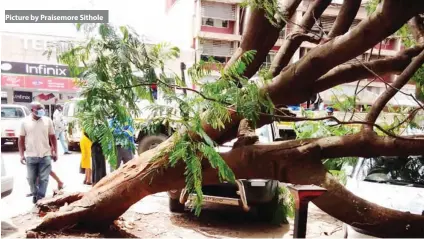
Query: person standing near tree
(37, 147)
(60, 127)
(124, 140)
(85, 146)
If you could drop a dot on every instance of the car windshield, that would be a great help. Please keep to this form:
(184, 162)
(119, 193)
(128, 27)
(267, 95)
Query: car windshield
(407, 171)
(12, 113)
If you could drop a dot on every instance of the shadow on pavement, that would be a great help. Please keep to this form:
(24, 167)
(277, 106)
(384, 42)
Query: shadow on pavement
(218, 220)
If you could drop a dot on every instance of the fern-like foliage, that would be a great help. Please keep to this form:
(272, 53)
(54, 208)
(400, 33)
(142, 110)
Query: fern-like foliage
(117, 70)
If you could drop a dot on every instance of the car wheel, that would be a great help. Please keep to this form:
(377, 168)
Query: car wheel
(175, 205)
(150, 142)
(266, 211)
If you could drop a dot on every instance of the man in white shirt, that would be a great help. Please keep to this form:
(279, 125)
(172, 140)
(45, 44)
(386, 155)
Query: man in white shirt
(60, 127)
(36, 136)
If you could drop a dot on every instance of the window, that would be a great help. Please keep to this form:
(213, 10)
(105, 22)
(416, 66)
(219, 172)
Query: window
(224, 23)
(216, 48)
(207, 22)
(216, 58)
(12, 113)
(215, 22)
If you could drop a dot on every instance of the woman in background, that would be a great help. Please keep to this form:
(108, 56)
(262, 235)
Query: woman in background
(85, 145)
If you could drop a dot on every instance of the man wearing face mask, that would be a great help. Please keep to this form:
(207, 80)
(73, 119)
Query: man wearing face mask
(37, 134)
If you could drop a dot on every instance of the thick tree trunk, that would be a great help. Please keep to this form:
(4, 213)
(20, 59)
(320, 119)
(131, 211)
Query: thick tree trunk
(261, 35)
(296, 162)
(292, 43)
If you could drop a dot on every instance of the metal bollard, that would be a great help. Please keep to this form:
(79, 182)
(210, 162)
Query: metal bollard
(303, 194)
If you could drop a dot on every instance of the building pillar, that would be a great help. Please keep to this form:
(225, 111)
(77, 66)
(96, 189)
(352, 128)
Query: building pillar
(10, 96)
(237, 25)
(198, 17)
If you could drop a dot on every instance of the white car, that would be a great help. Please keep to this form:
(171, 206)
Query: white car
(6, 181)
(385, 181)
(11, 116)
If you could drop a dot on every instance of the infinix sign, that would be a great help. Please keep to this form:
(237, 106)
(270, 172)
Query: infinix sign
(34, 69)
(45, 70)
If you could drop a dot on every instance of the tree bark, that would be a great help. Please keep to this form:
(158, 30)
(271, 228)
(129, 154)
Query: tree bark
(352, 72)
(345, 18)
(290, 45)
(295, 162)
(261, 35)
(416, 25)
(381, 102)
(295, 83)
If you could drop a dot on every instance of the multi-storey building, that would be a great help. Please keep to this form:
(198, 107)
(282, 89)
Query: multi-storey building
(214, 28)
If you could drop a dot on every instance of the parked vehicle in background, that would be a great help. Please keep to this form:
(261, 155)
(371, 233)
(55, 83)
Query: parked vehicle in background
(6, 181)
(11, 117)
(73, 131)
(391, 182)
(260, 194)
(144, 140)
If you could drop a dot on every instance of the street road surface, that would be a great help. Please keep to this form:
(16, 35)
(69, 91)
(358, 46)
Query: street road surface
(151, 218)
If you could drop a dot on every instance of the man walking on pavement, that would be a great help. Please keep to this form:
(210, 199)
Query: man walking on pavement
(36, 136)
(60, 127)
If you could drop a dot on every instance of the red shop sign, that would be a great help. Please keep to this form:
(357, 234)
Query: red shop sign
(49, 83)
(12, 80)
(38, 82)
(35, 82)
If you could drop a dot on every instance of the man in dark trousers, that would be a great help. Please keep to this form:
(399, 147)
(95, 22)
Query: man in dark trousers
(37, 147)
(98, 162)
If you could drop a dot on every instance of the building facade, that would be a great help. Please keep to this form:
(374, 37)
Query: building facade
(214, 28)
(28, 74)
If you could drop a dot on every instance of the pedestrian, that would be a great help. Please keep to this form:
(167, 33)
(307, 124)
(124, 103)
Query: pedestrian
(98, 162)
(37, 147)
(124, 140)
(85, 146)
(330, 113)
(60, 127)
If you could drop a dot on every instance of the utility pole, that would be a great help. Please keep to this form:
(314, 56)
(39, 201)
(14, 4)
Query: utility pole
(183, 67)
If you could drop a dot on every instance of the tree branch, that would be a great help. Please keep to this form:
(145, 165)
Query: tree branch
(416, 25)
(261, 35)
(297, 161)
(176, 87)
(289, 47)
(381, 102)
(352, 72)
(345, 18)
(296, 83)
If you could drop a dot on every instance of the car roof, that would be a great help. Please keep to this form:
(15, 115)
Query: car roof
(12, 105)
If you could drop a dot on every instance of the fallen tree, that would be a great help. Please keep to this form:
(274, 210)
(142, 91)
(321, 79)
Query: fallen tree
(296, 161)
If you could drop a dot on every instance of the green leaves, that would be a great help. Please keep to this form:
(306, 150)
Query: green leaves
(270, 7)
(119, 71)
(192, 154)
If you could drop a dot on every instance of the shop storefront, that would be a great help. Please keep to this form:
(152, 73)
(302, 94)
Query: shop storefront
(27, 82)
(27, 74)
